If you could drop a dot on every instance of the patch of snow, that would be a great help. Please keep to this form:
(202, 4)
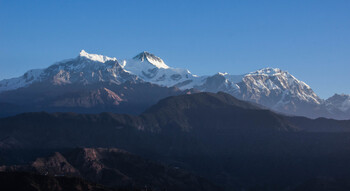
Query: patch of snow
(267, 72)
(146, 57)
(151, 68)
(345, 106)
(96, 57)
(26, 79)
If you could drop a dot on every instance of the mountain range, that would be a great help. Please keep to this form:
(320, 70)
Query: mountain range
(232, 143)
(93, 83)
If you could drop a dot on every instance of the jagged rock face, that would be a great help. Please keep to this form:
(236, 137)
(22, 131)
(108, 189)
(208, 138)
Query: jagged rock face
(270, 87)
(339, 102)
(152, 59)
(85, 69)
(151, 68)
(54, 165)
(279, 91)
(339, 105)
(89, 83)
(115, 168)
(275, 90)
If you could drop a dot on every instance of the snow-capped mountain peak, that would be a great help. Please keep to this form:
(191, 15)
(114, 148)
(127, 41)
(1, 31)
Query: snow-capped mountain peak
(88, 69)
(277, 89)
(223, 73)
(151, 68)
(267, 71)
(271, 87)
(24, 80)
(150, 58)
(95, 57)
(84, 69)
(339, 101)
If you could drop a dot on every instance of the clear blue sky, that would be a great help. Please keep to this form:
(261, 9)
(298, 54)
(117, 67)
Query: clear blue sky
(310, 39)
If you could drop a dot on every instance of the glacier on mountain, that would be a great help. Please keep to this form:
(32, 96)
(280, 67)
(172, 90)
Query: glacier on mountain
(96, 57)
(22, 81)
(84, 69)
(151, 68)
(270, 87)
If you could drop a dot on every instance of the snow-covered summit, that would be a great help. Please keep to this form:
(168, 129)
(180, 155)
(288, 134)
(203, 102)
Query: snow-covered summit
(274, 82)
(84, 69)
(151, 68)
(146, 57)
(339, 101)
(95, 57)
(280, 74)
(272, 87)
(24, 80)
(88, 69)
(267, 71)
(223, 73)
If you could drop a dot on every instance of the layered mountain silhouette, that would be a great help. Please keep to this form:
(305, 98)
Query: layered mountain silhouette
(93, 83)
(195, 113)
(127, 97)
(88, 84)
(232, 143)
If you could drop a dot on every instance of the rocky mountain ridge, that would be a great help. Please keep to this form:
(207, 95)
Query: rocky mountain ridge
(270, 87)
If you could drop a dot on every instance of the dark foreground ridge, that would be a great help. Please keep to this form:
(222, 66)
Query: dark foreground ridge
(234, 144)
(114, 168)
(24, 181)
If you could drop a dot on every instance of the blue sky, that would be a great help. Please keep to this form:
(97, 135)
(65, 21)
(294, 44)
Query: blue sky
(310, 39)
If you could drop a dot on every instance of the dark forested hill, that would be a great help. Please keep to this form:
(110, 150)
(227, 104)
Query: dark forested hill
(20, 181)
(232, 143)
(115, 168)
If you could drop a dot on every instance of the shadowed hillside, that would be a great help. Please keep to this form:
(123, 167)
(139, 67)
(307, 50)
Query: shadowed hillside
(232, 143)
